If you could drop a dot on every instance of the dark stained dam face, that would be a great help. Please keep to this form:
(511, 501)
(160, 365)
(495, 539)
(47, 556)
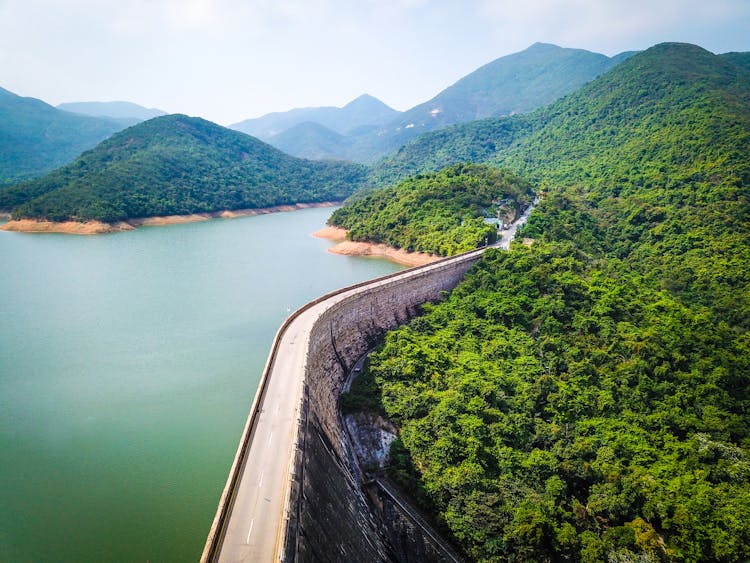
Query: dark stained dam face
(128, 363)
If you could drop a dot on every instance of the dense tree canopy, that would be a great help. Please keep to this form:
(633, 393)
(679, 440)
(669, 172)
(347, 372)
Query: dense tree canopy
(439, 213)
(587, 398)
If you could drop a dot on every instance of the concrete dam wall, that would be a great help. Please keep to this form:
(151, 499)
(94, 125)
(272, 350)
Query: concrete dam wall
(329, 515)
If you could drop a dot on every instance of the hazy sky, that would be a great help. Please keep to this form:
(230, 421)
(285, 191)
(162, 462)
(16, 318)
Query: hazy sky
(227, 60)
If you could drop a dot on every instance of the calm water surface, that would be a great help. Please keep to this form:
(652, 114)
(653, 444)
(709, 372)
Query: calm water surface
(128, 363)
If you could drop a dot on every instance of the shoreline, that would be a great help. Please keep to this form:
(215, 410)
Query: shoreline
(99, 227)
(376, 250)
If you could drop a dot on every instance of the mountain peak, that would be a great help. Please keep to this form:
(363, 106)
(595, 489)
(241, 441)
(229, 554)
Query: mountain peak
(365, 110)
(539, 46)
(514, 83)
(677, 46)
(364, 98)
(366, 101)
(667, 62)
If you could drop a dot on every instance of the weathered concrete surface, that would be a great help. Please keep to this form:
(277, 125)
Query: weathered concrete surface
(411, 538)
(330, 516)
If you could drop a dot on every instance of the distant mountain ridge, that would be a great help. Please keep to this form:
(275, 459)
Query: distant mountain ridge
(312, 140)
(113, 110)
(516, 83)
(36, 137)
(365, 110)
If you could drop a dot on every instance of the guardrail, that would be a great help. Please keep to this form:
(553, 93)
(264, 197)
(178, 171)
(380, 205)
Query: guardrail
(218, 526)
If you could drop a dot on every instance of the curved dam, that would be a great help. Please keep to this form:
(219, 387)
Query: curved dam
(294, 491)
(317, 509)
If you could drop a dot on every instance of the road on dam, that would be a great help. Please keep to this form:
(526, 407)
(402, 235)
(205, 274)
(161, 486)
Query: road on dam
(252, 530)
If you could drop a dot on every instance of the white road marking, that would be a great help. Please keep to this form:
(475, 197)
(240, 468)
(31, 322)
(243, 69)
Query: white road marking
(250, 531)
(260, 481)
(269, 439)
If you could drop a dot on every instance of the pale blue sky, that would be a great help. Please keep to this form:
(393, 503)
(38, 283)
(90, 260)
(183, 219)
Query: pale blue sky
(227, 60)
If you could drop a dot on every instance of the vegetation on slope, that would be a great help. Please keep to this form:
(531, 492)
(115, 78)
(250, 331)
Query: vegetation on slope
(441, 213)
(587, 398)
(175, 165)
(517, 83)
(36, 138)
(607, 115)
(478, 141)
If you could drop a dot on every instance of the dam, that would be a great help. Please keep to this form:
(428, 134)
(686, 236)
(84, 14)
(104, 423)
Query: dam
(294, 491)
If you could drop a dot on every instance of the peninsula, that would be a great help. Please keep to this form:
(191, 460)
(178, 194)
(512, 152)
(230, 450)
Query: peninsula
(174, 166)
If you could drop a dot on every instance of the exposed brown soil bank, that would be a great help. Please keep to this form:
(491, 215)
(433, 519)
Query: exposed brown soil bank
(68, 227)
(351, 248)
(97, 227)
(332, 233)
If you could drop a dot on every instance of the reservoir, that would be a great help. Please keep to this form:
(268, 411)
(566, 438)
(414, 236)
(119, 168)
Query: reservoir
(128, 363)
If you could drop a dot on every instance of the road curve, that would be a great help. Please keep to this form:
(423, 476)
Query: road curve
(253, 531)
(250, 521)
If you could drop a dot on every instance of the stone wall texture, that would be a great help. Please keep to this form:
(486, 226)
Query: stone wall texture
(330, 517)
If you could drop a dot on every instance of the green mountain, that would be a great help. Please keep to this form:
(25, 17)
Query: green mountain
(609, 114)
(35, 137)
(586, 398)
(477, 141)
(364, 110)
(311, 140)
(441, 213)
(516, 83)
(513, 84)
(178, 165)
(127, 112)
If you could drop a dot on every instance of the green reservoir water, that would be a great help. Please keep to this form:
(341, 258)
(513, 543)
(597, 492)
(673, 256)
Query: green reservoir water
(128, 363)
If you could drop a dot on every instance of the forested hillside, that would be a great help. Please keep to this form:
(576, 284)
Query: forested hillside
(587, 398)
(608, 114)
(35, 137)
(477, 141)
(441, 213)
(176, 165)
